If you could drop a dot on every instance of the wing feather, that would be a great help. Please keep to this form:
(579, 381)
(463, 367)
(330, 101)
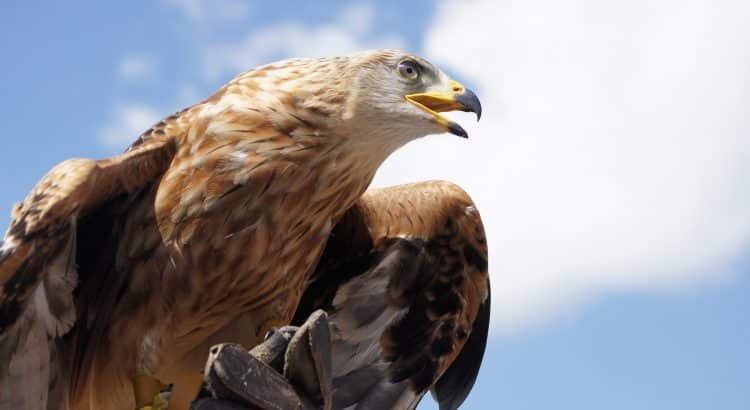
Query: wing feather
(404, 281)
(38, 263)
(456, 383)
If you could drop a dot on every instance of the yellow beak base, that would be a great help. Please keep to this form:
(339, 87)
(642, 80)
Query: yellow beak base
(460, 99)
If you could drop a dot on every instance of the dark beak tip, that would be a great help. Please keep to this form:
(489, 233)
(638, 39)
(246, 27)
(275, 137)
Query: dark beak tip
(456, 129)
(471, 103)
(478, 113)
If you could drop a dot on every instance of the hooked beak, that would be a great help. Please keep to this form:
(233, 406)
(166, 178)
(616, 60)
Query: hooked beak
(459, 98)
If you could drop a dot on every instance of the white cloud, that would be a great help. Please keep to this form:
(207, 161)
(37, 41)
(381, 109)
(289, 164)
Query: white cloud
(128, 123)
(614, 150)
(137, 67)
(207, 11)
(350, 31)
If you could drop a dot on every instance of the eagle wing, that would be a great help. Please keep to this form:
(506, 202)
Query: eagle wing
(404, 281)
(38, 266)
(93, 238)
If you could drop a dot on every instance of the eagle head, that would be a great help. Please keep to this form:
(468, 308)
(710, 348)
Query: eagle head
(403, 95)
(380, 98)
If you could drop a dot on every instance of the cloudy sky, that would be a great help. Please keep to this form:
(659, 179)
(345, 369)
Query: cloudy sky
(611, 165)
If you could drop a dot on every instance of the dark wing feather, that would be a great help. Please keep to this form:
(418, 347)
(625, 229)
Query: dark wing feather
(456, 383)
(404, 281)
(39, 260)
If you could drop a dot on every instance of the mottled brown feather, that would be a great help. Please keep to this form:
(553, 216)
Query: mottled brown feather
(427, 241)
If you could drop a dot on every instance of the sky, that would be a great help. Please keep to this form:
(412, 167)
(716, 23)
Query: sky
(610, 165)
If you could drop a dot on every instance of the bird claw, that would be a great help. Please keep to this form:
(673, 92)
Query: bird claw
(290, 369)
(159, 402)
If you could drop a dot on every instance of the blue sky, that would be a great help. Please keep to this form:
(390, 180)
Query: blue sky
(610, 166)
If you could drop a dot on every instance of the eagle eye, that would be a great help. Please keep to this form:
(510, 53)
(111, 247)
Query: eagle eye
(408, 70)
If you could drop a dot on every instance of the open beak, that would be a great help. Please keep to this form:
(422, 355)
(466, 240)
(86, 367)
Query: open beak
(459, 98)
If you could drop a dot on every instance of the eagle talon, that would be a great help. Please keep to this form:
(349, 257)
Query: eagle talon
(148, 393)
(159, 402)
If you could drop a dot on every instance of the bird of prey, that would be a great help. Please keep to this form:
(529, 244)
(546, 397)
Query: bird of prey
(118, 275)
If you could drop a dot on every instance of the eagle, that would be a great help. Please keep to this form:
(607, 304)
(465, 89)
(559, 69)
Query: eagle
(236, 215)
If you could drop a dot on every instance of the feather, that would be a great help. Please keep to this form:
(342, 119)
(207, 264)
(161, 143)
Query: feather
(38, 262)
(407, 303)
(455, 384)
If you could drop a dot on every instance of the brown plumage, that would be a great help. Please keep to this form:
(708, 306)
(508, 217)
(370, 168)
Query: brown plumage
(206, 230)
(404, 281)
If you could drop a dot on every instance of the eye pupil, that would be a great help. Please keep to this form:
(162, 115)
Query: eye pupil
(408, 70)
